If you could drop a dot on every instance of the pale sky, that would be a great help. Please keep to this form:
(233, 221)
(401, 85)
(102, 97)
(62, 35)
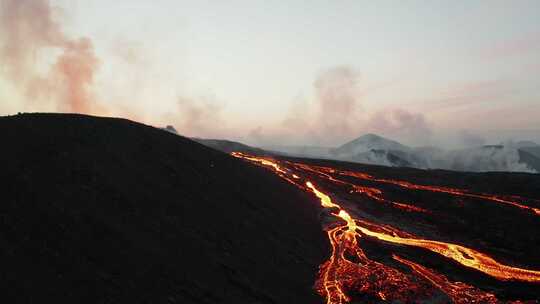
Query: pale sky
(244, 68)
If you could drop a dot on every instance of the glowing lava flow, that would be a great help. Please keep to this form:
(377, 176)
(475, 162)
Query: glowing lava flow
(458, 292)
(463, 255)
(326, 202)
(370, 192)
(348, 269)
(453, 191)
(262, 161)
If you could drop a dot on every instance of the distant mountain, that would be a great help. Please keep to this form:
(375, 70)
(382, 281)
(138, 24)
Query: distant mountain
(521, 156)
(367, 143)
(374, 149)
(532, 150)
(531, 157)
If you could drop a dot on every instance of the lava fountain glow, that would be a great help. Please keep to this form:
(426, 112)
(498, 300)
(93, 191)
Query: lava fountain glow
(348, 269)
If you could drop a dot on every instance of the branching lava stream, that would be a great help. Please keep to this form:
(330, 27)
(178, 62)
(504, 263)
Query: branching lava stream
(349, 271)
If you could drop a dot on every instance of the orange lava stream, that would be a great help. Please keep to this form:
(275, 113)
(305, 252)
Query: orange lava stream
(262, 161)
(326, 202)
(370, 192)
(323, 171)
(453, 191)
(463, 255)
(459, 293)
(341, 274)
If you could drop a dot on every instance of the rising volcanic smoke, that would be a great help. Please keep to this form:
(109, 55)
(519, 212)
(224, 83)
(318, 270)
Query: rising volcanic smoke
(338, 113)
(337, 94)
(27, 30)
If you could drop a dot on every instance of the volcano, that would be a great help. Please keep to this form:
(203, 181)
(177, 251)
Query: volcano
(106, 210)
(369, 142)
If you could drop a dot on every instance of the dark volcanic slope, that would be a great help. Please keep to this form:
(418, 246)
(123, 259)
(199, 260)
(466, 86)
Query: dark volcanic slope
(99, 210)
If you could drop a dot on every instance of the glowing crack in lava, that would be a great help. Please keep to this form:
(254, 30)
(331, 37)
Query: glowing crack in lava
(349, 271)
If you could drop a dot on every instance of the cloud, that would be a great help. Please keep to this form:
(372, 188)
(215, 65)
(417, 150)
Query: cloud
(470, 93)
(338, 98)
(333, 114)
(27, 30)
(199, 117)
(513, 47)
(75, 69)
(128, 51)
(469, 139)
(337, 114)
(256, 134)
(494, 158)
(400, 123)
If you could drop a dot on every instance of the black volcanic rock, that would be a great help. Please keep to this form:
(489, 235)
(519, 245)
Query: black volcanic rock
(171, 129)
(102, 210)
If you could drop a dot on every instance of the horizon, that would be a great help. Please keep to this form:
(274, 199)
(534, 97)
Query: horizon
(353, 151)
(320, 74)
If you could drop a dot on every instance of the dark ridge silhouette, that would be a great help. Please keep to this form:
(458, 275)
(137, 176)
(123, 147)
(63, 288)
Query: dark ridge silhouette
(229, 146)
(104, 210)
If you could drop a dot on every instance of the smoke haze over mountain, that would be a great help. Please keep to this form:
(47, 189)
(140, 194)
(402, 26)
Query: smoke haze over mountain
(190, 70)
(374, 149)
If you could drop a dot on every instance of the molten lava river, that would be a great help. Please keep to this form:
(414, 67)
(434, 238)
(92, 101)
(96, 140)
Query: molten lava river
(399, 242)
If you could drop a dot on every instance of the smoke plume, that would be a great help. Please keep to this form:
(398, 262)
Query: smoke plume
(400, 123)
(29, 30)
(333, 114)
(197, 117)
(337, 113)
(338, 99)
(469, 139)
(479, 159)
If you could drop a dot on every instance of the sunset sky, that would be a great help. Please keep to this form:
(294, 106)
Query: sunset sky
(288, 72)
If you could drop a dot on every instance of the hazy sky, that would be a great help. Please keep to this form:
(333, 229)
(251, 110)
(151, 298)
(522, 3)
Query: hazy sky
(317, 72)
